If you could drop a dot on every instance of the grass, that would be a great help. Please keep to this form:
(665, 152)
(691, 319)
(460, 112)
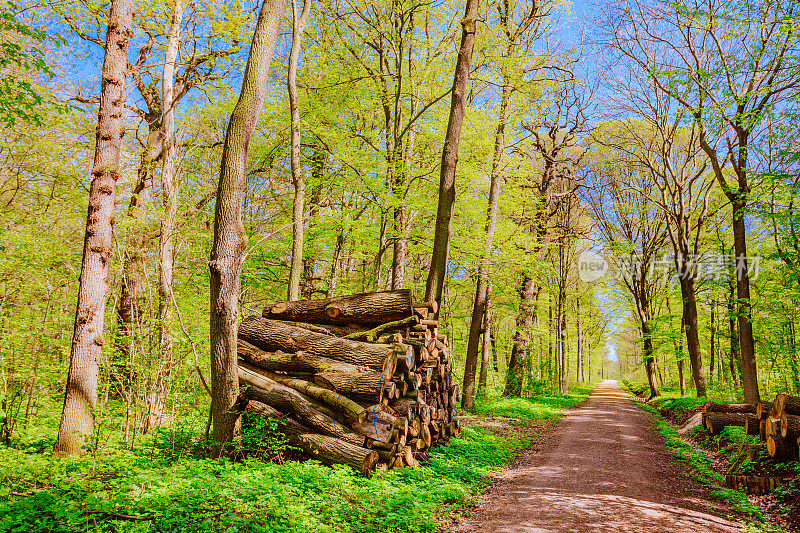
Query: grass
(540, 407)
(169, 488)
(698, 467)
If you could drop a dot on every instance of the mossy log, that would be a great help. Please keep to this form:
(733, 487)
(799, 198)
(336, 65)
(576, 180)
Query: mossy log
(366, 308)
(331, 399)
(272, 393)
(272, 336)
(373, 334)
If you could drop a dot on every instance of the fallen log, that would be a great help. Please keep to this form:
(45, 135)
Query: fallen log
(330, 450)
(289, 427)
(715, 421)
(293, 362)
(764, 409)
(786, 404)
(272, 393)
(352, 411)
(714, 407)
(790, 426)
(781, 448)
(365, 308)
(272, 336)
(752, 426)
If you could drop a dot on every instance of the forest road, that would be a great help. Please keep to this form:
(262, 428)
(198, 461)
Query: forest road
(602, 469)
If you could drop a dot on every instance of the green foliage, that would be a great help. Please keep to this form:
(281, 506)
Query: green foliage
(203, 494)
(544, 407)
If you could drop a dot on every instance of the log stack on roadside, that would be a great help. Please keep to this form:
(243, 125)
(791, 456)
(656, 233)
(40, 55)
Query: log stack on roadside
(777, 423)
(364, 380)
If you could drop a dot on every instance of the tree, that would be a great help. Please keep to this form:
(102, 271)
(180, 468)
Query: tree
(514, 31)
(80, 399)
(157, 397)
(447, 184)
(298, 180)
(230, 239)
(727, 64)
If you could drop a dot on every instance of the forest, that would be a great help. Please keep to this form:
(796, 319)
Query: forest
(562, 193)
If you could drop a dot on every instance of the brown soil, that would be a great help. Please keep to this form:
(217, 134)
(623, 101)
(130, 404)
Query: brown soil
(602, 469)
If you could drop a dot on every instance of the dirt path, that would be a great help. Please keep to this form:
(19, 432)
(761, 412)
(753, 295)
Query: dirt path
(601, 470)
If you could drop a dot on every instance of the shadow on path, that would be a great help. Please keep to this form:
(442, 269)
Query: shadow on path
(602, 469)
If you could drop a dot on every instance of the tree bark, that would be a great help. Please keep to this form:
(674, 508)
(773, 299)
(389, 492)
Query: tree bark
(481, 288)
(692, 338)
(487, 344)
(80, 399)
(298, 180)
(743, 311)
(230, 239)
(447, 185)
(528, 292)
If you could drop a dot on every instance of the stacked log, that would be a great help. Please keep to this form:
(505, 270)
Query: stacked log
(781, 426)
(364, 380)
(777, 423)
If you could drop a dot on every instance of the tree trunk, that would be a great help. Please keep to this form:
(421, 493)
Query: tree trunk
(157, 395)
(298, 179)
(734, 335)
(487, 345)
(561, 324)
(692, 338)
(80, 399)
(230, 239)
(711, 347)
(447, 185)
(579, 348)
(528, 292)
(649, 359)
(746, 345)
(481, 288)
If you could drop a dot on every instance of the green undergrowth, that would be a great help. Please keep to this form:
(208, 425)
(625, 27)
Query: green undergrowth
(158, 489)
(540, 407)
(698, 467)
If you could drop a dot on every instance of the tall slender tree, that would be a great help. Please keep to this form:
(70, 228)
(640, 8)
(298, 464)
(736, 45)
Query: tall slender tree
(230, 239)
(80, 400)
(298, 179)
(447, 176)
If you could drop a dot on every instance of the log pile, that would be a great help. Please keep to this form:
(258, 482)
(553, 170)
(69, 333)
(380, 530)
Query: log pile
(364, 380)
(777, 423)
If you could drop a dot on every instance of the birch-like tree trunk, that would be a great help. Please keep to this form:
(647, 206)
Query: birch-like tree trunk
(156, 397)
(298, 179)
